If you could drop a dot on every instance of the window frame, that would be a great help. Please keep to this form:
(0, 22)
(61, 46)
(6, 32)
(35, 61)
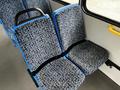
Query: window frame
(86, 11)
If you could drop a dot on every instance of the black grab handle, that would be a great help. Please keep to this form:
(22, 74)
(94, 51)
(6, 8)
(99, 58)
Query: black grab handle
(25, 11)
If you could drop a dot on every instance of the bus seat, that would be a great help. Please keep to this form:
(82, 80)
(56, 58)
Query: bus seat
(8, 10)
(70, 29)
(38, 42)
(44, 5)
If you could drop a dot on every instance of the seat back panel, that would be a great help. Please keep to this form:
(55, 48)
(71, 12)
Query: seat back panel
(70, 24)
(8, 10)
(38, 41)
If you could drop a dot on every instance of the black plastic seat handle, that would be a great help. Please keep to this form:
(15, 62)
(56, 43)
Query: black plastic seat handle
(17, 22)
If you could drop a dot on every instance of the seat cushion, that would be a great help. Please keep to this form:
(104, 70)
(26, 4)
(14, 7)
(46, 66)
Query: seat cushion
(89, 56)
(69, 25)
(61, 75)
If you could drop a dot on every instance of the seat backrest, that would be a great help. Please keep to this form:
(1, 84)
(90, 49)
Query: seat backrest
(37, 40)
(44, 5)
(8, 10)
(69, 25)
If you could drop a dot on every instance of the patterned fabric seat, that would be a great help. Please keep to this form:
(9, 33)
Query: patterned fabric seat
(9, 8)
(70, 29)
(38, 42)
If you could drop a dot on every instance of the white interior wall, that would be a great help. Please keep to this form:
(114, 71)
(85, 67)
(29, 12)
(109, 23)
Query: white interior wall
(97, 31)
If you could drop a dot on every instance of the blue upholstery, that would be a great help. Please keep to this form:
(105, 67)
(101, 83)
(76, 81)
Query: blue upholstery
(38, 42)
(44, 5)
(69, 22)
(89, 56)
(70, 29)
(8, 10)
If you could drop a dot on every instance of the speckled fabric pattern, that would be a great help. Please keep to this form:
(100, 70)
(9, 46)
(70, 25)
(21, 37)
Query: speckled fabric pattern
(70, 24)
(38, 41)
(61, 75)
(44, 5)
(8, 10)
(89, 55)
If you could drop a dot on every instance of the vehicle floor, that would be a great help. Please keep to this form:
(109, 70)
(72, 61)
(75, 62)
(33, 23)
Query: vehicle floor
(13, 74)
